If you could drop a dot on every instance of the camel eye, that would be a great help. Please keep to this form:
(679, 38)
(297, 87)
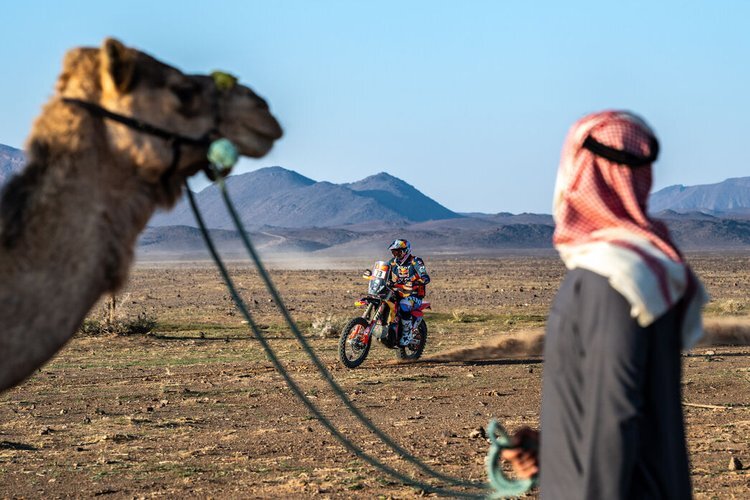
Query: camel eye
(184, 92)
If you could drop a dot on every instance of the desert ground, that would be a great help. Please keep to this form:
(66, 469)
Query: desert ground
(193, 408)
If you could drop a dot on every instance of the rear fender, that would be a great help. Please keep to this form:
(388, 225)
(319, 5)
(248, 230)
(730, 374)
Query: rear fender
(419, 311)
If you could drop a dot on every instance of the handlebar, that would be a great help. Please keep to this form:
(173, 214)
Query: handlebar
(407, 285)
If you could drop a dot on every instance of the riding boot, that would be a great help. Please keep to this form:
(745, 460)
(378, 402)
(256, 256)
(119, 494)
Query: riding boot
(406, 326)
(415, 324)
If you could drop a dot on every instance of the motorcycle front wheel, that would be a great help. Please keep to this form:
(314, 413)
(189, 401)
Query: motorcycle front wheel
(353, 347)
(416, 346)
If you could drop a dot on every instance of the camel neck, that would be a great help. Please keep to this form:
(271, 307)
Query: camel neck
(69, 223)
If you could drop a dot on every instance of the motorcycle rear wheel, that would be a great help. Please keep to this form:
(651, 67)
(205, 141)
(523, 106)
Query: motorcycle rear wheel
(415, 349)
(352, 351)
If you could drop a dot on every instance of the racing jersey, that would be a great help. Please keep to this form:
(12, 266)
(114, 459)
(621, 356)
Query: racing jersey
(412, 272)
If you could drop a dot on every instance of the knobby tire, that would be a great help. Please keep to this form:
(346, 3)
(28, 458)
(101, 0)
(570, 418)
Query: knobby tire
(353, 363)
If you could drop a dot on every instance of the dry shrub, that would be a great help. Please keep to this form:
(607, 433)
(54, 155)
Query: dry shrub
(460, 316)
(113, 317)
(328, 326)
(732, 306)
(92, 327)
(141, 325)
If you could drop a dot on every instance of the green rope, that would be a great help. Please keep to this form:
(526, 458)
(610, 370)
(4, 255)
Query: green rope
(295, 388)
(503, 487)
(321, 367)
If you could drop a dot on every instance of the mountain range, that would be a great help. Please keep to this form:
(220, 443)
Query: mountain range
(728, 198)
(288, 213)
(278, 197)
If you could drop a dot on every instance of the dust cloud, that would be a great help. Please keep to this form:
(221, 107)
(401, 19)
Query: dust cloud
(530, 343)
(726, 331)
(527, 343)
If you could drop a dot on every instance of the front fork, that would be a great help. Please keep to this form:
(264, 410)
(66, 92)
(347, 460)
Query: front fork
(368, 310)
(365, 336)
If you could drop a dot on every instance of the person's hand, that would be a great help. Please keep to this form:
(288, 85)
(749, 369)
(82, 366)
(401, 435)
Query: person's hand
(524, 456)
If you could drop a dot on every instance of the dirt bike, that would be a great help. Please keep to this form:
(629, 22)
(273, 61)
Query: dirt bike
(380, 320)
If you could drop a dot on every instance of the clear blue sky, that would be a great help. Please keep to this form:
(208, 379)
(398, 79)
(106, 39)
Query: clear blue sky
(467, 101)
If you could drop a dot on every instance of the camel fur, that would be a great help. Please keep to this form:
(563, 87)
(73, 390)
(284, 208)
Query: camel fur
(70, 220)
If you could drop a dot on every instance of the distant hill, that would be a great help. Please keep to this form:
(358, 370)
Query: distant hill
(278, 197)
(707, 234)
(184, 242)
(289, 214)
(508, 218)
(400, 197)
(465, 236)
(726, 197)
(11, 161)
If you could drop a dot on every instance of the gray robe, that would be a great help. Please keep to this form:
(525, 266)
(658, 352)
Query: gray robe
(611, 422)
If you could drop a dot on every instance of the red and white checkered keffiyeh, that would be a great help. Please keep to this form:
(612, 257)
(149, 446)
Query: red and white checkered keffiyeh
(602, 224)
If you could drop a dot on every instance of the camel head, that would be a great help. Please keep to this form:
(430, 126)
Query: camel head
(118, 139)
(196, 109)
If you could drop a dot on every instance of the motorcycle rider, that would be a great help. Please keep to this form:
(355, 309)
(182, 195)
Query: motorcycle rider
(410, 271)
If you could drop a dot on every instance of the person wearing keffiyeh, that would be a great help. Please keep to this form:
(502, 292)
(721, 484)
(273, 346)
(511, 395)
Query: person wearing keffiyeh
(611, 420)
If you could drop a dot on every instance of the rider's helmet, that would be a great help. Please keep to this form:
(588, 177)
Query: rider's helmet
(401, 250)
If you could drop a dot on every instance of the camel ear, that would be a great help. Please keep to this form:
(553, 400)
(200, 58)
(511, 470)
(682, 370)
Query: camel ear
(118, 65)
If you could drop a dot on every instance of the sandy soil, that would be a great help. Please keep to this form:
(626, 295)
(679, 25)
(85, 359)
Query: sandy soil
(195, 409)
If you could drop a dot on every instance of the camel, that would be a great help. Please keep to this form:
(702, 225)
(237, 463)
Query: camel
(70, 220)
